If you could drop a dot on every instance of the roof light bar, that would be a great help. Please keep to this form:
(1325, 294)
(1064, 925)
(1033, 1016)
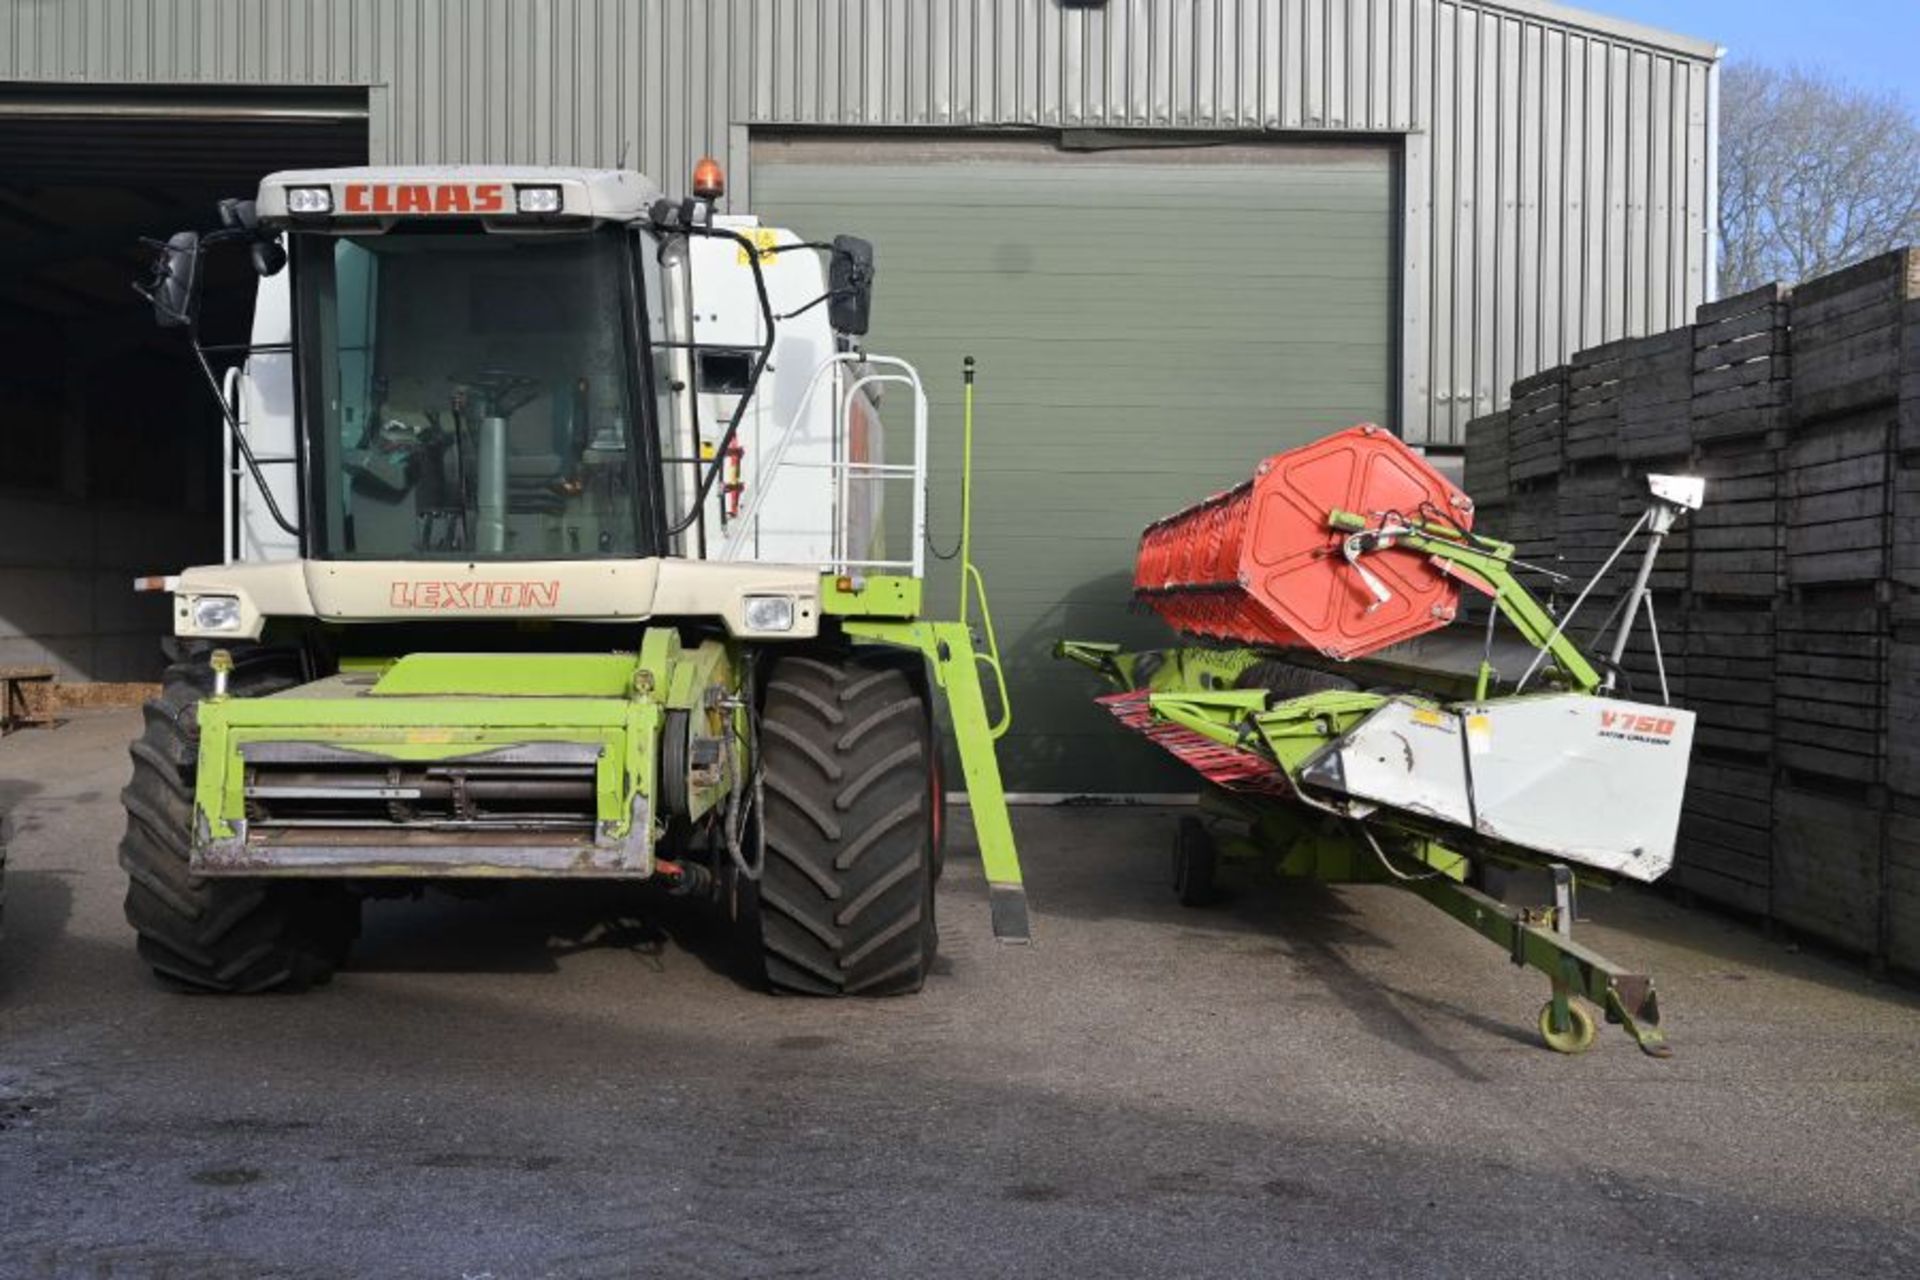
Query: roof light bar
(310, 201)
(537, 199)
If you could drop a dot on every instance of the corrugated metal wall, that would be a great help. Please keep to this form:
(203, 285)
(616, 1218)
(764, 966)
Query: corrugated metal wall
(1557, 170)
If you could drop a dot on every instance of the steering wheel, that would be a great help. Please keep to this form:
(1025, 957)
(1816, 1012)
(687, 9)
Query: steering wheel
(501, 392)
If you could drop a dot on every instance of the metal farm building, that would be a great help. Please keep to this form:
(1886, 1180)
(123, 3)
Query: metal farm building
(1177, 235)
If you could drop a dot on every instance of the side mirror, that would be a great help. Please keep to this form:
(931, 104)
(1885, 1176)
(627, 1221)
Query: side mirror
(174, 289)
(238, 215)
(850, 285)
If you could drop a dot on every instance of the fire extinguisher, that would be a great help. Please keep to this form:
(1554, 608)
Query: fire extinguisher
(735, 482)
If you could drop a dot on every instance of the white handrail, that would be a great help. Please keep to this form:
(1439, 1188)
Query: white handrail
(749, 519)
(912, 379)
(747, 523)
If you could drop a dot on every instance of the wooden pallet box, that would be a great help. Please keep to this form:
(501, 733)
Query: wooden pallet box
(1849, 336)
(1725, 854)
(1595, 388)
(1587, 522)
(1839, 499)
(1485, 472)
(1656, 397)
(1742, 366)
(1531, 523)
(1826, 866)
(1830, 690)
(1904, 553)
(1738, 539)
(1730, 678)
(1537, 424)
(1902, 725)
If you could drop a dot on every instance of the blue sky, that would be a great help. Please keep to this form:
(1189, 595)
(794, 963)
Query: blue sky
(1873, 43)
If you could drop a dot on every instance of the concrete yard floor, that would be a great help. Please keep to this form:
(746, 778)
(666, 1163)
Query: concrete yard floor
(551, 1082)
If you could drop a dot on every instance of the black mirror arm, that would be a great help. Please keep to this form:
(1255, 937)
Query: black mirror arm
(192, 322)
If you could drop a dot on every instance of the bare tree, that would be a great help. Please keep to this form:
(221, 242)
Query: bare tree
(1814, 175)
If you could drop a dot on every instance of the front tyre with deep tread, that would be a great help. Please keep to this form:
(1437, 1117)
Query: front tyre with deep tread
(217, 935)
(844, 905)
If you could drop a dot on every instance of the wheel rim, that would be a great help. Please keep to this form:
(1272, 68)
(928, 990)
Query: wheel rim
(1577, 1038)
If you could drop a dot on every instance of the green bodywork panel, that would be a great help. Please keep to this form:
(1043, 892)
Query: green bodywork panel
(437, 727)
(523, 675)
(874, 596)
(443, 706)
(1196, 688)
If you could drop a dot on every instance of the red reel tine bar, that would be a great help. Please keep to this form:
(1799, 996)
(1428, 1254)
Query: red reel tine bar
(1258, 564)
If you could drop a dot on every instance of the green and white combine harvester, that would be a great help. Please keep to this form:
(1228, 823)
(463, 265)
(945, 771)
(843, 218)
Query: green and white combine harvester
(556, 547)
(1345, 735)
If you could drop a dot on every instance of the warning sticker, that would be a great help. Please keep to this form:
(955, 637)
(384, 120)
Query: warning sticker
(1479, 735)
(765, 243)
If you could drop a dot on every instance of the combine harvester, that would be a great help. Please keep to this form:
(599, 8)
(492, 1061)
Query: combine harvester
(555, 549)
(1344, 741)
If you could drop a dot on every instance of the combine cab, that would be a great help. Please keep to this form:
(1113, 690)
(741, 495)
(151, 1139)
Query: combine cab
(563, 541)
(1343, 738)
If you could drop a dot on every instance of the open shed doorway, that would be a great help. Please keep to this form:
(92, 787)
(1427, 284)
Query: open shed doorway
(109, 439)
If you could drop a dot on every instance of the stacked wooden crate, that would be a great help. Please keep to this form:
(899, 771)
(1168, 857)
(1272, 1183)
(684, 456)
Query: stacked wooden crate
(1901, 907)
(1657, 372)
(1742, 366)
(1901, 914)
(1737, 422)
(1536, 430)
(1789, 606)
(1537, 424)
(1587, 526)
(1595, 388)
(1485, 475)
(1833, 800)
(1742, 369)
(1830, 691)
(1848, 339)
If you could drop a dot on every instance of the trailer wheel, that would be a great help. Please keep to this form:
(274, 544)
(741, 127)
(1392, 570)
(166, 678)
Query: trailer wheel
(217, 935)
(1577, 1038)
(844, 905)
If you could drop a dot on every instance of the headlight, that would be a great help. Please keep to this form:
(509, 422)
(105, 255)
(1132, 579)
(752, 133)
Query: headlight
(216, 613)
(769, 613)
(537, 199)
(309, 200)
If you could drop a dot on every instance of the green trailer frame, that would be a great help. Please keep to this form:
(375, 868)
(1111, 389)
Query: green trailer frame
(1286, 830)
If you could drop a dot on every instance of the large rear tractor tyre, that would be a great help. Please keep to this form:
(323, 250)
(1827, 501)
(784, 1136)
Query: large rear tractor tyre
(219, 935)
(844, 905)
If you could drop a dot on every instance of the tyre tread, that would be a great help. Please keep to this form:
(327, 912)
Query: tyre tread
(844, 903)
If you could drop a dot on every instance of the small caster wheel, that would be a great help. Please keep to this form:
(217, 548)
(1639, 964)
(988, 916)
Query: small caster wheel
(1577, 1038)
(1194, 861)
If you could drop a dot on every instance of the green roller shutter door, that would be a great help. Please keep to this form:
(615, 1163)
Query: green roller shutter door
(1148, 323)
